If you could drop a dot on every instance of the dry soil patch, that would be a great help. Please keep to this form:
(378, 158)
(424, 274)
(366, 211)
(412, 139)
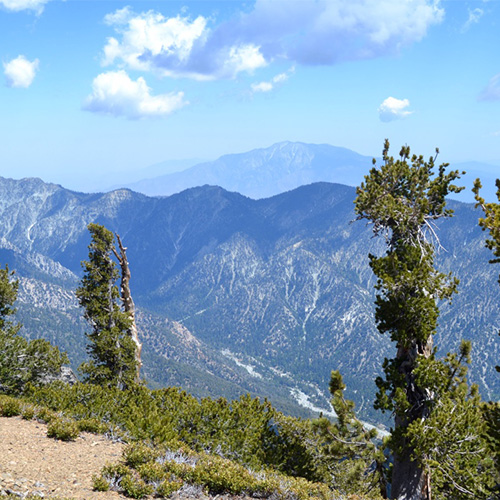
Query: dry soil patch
(32, 462)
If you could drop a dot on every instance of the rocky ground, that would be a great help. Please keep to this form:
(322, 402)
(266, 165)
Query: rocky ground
(31, 463)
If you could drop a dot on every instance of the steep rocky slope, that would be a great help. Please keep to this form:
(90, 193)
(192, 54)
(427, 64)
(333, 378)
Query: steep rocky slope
(237, 295)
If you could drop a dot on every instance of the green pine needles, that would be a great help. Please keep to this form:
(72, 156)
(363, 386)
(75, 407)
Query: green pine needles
(22, 361)
(438, 424)
(491, 222)
(111, 349)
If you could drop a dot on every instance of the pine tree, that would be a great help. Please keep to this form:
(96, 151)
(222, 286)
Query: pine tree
(112, 349)
(22, 361)
(355, 464)
(402, 199)
(491, 222)
(450, 444)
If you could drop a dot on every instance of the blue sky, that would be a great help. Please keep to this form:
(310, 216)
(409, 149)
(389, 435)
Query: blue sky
(101, 89)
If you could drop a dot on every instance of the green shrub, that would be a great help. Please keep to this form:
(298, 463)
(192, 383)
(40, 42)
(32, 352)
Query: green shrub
(222, 476)
(92, 425)
(114, 471)
(284, 487)
(166, 488)
(9, 407)
(135, 487)
(167, 471)
(152, 472)
(139, 453)
(99, 483)
(181, 470)
(28, 411)
(45, 415)
(168, 424)
(63, 429)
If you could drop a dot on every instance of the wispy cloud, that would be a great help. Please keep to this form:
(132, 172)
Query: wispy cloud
(474, 17)
(19, 72)
(115, 93)
(309, 33)
(492, 91)
(19, 5)
(393, 109)
(273, 83)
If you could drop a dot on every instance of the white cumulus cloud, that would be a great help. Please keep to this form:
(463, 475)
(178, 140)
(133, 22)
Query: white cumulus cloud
(18, 5)
(115, 93)
(175, 46)
(393, 109)
(328, 32)
(305, 32)
(19, 72)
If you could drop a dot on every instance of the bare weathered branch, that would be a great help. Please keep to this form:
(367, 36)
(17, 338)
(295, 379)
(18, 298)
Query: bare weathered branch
(127, 301)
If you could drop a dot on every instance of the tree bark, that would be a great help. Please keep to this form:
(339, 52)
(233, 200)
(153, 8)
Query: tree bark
(409, 480)
(128, 303)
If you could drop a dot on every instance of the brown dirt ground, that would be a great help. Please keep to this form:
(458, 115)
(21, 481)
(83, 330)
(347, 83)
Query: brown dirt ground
(32, 462)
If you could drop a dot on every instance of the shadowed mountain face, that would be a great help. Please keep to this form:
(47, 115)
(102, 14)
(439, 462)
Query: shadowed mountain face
(240, 295)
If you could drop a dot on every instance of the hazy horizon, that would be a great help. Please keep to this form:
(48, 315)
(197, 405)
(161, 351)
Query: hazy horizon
(103, 90)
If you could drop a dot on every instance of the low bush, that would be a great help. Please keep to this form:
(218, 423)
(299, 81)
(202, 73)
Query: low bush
(139, 453)
(9, 406)
(63, 429)
(134, 487)
(222, 476)
(92, 425)
(45, 415)
(167, 487)
(161, 471)
(28, 411)
(99, 483)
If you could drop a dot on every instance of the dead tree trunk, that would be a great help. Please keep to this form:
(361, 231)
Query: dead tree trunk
(127, 302)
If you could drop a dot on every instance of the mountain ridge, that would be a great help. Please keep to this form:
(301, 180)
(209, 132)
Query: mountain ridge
(281, 284)
(265, 172)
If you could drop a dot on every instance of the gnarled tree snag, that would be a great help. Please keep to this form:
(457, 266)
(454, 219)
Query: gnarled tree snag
(127, 301)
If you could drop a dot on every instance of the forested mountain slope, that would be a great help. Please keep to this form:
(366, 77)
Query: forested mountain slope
(235, 294)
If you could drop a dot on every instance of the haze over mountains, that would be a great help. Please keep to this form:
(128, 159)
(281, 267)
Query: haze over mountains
(237, 295)
(265, 172)
(261, 173)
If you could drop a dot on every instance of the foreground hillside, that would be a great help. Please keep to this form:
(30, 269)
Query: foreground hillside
(176, 447)
(32, 463)
(239, 295)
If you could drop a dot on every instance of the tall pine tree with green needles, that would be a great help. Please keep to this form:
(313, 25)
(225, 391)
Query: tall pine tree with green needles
(402, 199)
(111, 348)
(491, 222)
(22, 361)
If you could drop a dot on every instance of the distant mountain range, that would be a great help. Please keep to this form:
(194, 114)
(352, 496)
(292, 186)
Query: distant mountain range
(265, 172)
(236, 295)
(262, 173)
